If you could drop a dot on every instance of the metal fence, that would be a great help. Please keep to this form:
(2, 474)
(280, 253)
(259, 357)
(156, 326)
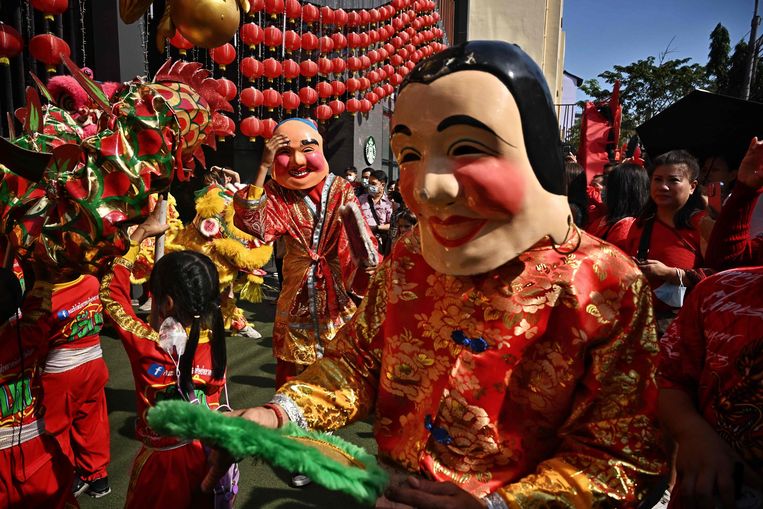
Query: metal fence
(568, 115)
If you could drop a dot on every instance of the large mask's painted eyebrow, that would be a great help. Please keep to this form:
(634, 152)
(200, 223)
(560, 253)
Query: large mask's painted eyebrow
(463, 120)
(309, 142)
(454, 120)
(401, 129)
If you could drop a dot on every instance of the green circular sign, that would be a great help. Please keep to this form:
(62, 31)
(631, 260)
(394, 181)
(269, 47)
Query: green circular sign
(369, 151)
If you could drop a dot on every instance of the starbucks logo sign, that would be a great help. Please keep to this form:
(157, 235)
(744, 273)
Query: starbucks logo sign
(370, 150)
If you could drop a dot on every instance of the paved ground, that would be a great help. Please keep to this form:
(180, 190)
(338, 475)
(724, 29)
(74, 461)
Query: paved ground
(251, 371)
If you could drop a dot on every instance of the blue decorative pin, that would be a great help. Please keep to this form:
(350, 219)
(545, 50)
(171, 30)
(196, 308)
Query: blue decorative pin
(476, 345)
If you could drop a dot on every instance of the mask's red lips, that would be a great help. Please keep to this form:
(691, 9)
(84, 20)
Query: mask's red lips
(455, 231)
(299, 173)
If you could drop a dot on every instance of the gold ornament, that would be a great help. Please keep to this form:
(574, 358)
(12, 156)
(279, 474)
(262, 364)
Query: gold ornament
(205, 23)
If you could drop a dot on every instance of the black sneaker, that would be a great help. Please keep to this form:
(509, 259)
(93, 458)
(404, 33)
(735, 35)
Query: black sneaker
(99, 488)
(79, 486)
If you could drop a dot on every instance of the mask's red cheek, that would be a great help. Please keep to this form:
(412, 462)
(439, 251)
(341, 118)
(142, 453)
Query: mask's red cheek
(494, 188)
(315, 161)
(281, 164)
(406, 187)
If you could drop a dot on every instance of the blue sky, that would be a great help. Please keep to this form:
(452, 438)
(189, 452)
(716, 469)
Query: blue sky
(603, 33)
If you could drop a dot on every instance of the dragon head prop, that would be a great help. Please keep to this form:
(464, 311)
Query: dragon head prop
(65, 194)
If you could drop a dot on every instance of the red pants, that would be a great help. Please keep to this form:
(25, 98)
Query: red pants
(285, 371)
(76, 414)
(36, 474)
(169, 479)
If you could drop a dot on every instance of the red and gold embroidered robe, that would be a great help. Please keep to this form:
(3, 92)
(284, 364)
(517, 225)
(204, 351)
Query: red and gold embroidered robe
(535, 380)
(313, 303)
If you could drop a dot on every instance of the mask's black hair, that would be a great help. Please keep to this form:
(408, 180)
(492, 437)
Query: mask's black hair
(191, 279)
(526, 83)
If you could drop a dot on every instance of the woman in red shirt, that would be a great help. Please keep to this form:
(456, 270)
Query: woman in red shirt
(626, 194)
(665, 239)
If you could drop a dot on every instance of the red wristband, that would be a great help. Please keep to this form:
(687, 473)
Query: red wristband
(278, 411)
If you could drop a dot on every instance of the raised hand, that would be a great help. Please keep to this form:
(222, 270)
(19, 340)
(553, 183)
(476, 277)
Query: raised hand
(751, 168)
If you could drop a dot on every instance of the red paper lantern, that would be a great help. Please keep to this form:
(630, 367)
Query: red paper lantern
(326, 45)
(364, 40)
(388, 70)
(365, 83)
(223, 55)
(223, 126)
(271, 99)
(380, 92)
(337, 107)
(324, 66)
(403, 71)
(353, 85)
(410, 65)
(374, 15)
(353, 40)
(50, 7)
(323, 112)
(308, 68)
(293, 10)
(338, 88)
(256, 6)
(373, 37)
(373, 55)
(309, 40)
(366, 105)
(403, 53)
(290, 100)
(251, 127)
(365, 17)
(365, 62)
(398, 23)
(338, 65)
(340, 17)
(397, 41)
(396, 60)
(274, 7)
(252, 68)
(371, 96)
(268, 126)
(324, 89)
(382, 54)
(181, 43)
(290, 70)
(310, 13)
(353, 106)
(373, 76)
(273, 37)
(292, 40)
(308, 95)
(47, 48)
(353, 19)
(251, 34)
(226, 88)
(396, 79)
(273, 68)
(327, 15)
(11, 43)
(354, 64)
(251, 98)
(388, 89)
(340, 41)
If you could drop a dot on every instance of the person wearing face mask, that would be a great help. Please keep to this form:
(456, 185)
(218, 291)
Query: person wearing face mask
(179, 354)
(301, 205)
(508, 357)
(377, 209)
(665, 238)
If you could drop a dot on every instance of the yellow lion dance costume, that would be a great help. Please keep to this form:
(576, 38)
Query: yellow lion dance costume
(239, 258)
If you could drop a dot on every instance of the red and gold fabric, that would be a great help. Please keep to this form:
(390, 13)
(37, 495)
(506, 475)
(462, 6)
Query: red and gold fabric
(314, 301)
(534, 381)
(154, 370)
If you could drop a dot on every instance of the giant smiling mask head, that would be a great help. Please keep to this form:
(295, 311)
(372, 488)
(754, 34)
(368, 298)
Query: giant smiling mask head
(300, 165)
(481, 165)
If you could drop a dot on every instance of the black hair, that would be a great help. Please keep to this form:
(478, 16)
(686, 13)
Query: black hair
(380, 176)
(695, 203)
(367, 169)
(577, 197)
(408, 215)
(191, 279)
(350, 169)
(525, 81)
(11, 296)
(627, 191)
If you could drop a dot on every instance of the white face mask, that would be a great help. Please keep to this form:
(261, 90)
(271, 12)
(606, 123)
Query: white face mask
(365, 181)
(373, 190)
(350, 178)
(670, 294)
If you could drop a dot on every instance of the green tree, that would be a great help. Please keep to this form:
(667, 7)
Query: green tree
(647, 87)
(737, 69)
(717, 67)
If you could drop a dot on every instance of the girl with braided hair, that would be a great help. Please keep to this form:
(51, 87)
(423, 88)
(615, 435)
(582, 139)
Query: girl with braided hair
(179, 354)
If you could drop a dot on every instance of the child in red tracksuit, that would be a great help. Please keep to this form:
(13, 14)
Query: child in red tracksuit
(181, 354)
(73, 383)
(34, 472)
